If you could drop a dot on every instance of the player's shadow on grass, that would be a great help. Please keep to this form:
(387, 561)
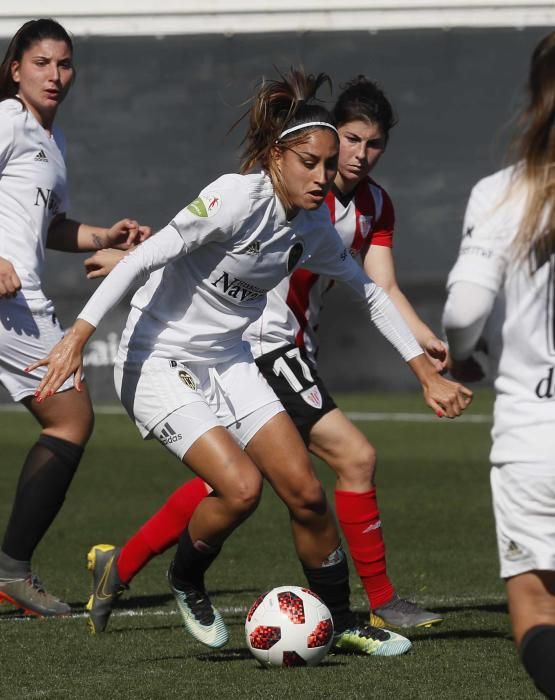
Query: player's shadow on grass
(459, 635)
(482, 607)
(216, 657)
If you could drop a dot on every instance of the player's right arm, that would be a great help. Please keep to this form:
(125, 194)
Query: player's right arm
(194, 226)
(66, 357)
(444, 397)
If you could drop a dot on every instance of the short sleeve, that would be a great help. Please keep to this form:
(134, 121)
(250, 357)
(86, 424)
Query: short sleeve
(6, 139)
(382, 233)
(487, 231)
(215, 215)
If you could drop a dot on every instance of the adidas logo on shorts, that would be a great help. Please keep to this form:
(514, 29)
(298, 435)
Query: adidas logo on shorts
(41, 156)
(168, 435)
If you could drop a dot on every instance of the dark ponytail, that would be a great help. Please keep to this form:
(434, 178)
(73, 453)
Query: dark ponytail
(277, 106)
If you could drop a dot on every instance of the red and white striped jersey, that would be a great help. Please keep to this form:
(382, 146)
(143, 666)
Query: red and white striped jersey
(293, 308)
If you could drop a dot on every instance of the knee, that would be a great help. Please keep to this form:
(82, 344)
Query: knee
(308, 497)
(246, 495)
(356, 464)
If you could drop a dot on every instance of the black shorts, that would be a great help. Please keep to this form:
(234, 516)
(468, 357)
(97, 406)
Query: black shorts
(295, 380)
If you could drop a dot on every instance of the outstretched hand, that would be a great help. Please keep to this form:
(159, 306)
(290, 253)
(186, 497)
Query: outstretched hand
(64, 360)
(101, 263)
(445, 397)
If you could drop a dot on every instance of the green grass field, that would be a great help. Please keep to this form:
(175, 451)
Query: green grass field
(435, 505)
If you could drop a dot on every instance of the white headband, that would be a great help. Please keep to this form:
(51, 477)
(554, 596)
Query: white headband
(305, 126)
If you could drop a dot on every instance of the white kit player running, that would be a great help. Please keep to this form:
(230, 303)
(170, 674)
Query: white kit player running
(505, 272)
(35, 76)
(186, 376)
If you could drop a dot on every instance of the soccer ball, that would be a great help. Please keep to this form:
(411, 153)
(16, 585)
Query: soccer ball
(289, 626)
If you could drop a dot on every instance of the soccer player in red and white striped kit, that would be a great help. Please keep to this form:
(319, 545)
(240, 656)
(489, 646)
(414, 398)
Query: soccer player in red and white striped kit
(285, 344)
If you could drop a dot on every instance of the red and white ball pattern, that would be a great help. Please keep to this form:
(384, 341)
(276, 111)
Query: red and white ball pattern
(289, 626)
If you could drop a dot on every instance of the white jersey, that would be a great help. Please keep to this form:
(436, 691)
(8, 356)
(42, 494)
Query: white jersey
(32, 191)
(292, 314)
(524, 416)
(212, 266)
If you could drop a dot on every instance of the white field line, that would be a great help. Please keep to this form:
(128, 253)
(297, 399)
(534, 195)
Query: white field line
(357, 416)
(450, 601)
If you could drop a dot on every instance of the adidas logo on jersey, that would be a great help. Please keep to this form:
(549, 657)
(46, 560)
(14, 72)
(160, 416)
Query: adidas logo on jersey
(41, 156)
(168, 435)
(252, 248)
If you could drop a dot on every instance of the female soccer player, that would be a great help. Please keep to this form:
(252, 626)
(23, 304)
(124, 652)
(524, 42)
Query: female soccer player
(508, 254)
(184, 373)
(285, 343)
(35, 77)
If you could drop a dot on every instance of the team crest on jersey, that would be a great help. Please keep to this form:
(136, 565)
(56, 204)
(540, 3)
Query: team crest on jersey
(312, 396)
(205, 205)
(365, 223)
(294, 256)
(187, 379)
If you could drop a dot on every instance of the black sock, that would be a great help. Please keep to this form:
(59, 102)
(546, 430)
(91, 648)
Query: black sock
(331, 583)
(43, 482)
(192, 560)
(537, 652)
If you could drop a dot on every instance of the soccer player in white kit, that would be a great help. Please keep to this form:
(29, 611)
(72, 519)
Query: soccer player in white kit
(506, 271)
(284, 341)
(35, 76)
(187, 377)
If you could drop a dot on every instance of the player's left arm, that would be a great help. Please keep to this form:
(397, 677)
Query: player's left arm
(74, 237)
(379, 265)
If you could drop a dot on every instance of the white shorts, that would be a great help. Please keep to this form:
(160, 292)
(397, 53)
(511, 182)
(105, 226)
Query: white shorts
(29, 329)
(524, 508)
(192, 398)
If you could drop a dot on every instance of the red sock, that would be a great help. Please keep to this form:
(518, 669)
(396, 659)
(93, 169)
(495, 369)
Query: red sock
(359, 517)
(162, 530)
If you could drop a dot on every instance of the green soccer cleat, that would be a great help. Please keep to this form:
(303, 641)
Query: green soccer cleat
(372, 641)
(399, 612)
(200, 617)
(28, 594)
(107, 586)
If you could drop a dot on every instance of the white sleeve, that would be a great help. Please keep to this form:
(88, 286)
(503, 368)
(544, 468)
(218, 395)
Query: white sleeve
(384, 314)
(334, 260)
(157, 251)
(465, 314)
(485, 246)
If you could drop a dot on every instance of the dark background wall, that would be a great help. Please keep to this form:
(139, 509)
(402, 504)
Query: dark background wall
(147, 126)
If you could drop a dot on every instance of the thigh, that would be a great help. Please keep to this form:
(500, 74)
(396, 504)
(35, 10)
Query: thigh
(28, 331)
(67, 414)
(278, 451)
(196, 437)
(334, 438)
(221, 463)
(295, 380)
(531, 599)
